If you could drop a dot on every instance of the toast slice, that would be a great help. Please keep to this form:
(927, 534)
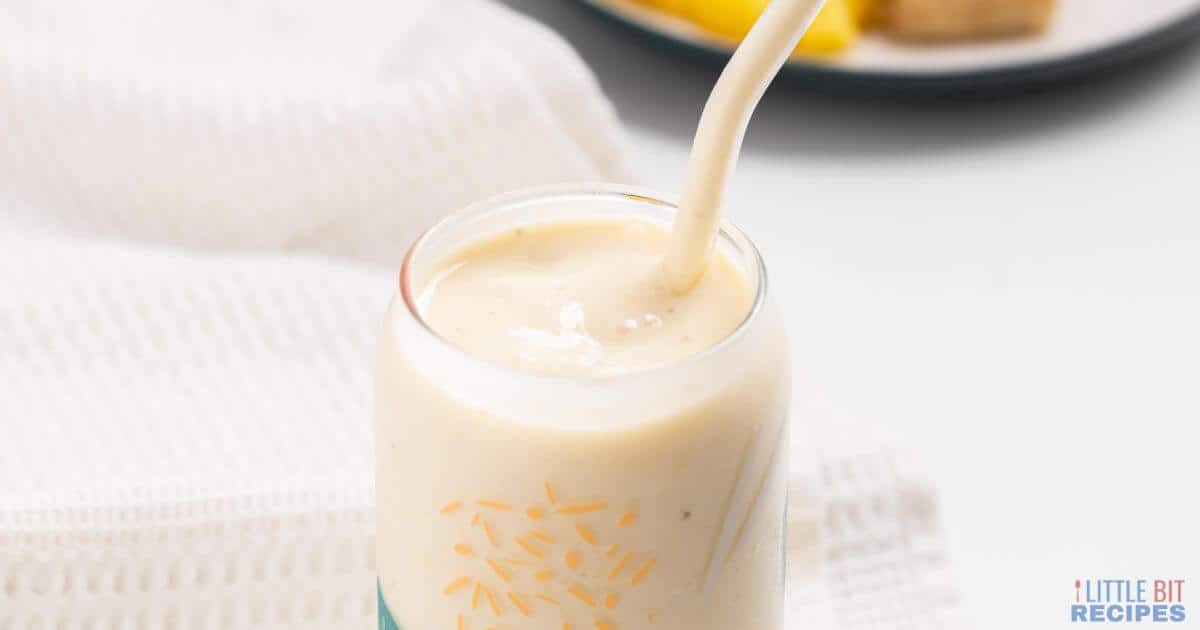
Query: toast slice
(937, 20)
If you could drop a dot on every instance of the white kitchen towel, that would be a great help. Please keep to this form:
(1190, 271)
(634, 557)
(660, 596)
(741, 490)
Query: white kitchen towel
(202, 207)
(188, 445)
(865, 542)
(340, 126)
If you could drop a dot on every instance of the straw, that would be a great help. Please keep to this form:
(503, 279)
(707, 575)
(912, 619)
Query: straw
(719, 136)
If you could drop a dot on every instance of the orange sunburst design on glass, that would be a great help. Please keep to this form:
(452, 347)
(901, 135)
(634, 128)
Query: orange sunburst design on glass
(546, 561)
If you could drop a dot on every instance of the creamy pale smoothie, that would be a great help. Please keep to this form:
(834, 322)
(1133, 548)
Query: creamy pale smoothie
(565, 443)
(580, 298)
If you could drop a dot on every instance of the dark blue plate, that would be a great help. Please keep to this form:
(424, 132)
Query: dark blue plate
(1088, 36)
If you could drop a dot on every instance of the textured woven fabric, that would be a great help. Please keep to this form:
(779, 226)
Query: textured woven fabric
(202, 207)
(335, 126)
(865, 544)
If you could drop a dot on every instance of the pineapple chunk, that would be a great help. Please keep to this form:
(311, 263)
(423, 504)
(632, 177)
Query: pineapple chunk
(728, 18)
(834, 29)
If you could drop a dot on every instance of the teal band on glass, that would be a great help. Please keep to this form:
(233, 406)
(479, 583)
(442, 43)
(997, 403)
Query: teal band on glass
(386, 622)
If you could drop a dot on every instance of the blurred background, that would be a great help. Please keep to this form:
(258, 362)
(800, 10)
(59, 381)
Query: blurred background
(986, 252)
(1007, 279)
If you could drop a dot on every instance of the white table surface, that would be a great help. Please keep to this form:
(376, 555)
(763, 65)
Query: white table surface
(1013, 286)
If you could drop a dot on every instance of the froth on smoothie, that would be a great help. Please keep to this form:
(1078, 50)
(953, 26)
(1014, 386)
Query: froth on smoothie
(580, 298)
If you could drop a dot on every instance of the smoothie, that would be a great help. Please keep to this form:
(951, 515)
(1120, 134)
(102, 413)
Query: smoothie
(581, 298)
(565, 443)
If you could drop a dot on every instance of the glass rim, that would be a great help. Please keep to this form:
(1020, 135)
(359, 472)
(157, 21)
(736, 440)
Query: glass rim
(623, 192)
